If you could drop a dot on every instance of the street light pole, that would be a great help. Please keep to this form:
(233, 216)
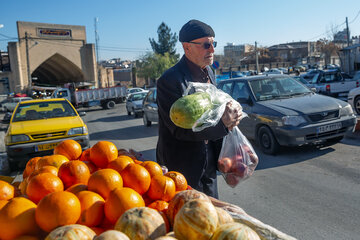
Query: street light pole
(28, 62)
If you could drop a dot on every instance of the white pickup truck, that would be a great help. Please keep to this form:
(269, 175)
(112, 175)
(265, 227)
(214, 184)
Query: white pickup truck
(104, 97)
(332, 83)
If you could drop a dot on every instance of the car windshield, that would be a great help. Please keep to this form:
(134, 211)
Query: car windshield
(276, 88)
(43, 110)
(138, 96)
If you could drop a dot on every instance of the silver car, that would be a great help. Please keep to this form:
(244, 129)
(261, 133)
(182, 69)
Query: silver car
(284, 112)
(150, 108)
(11, 104)
(134, 103)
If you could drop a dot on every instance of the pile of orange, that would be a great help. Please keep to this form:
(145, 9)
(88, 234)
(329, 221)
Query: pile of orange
(92, 188)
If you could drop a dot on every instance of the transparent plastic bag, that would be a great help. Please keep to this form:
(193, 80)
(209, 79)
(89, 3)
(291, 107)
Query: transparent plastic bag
(237, 160)
(219, 99)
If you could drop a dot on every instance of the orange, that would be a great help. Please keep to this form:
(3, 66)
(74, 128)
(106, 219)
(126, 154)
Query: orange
(85, 155)
(104, 180)
(159, 205)
(102, 153)
(45, 169)
(69, 148)
(120, 200)
(179, 179)
(98, 230)
(77, 188)
(74, 172)
(153, 168)
(57, 209)
(136, 177)
(3, 203)
(17, 218)
(41, 185)
(30, 166)
(92, 208)
(91, 166)
(120, 163)
(161, 188)
(52, 160)
(7, 190)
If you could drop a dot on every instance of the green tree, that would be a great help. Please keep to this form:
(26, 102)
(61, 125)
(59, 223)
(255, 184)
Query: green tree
(153, 65)
(166, 41)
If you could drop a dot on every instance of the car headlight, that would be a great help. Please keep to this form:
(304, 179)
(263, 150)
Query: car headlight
(346, 111)
(78, 130)
(19, 138)
(293, 120)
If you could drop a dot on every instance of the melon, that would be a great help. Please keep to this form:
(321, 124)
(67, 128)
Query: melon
(112, 235)
(234, 231)
(71, 232)
(186, 110)
(141, 223)
(197, 219)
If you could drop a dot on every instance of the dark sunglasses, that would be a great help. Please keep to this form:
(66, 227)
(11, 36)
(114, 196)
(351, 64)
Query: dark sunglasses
(206, 45)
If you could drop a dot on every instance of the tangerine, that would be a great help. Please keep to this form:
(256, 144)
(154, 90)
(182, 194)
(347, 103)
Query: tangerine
(136, 177)
(120, 163)
(91, 166)
(179, 179)
(17, 218)
(159, 205)
(102, 153)
(104, 180)
(153, 168)
(85, 155)
(30, 166)
(120, 200)
(69, 148)
(74, 172)
(7, 190)
(52, 160)
(92, 208)
(57, 209)
(41, 185)
(161, 188)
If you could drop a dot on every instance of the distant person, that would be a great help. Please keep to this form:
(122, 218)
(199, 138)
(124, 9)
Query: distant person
(194, 154)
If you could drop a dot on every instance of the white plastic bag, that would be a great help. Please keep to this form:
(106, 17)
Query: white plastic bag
(237, 160)
(219, 99)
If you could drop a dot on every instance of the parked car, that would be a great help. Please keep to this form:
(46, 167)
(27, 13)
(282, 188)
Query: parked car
(134, 103)
(332, 83)
(273, 71)
(10, 105)
(310, 74)
(283, 112)
(356, 76)
(134, 90)
(354, 99)
(150, 108)
(37, 126)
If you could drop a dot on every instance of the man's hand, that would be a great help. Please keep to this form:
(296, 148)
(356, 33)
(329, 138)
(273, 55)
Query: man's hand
(231, 116)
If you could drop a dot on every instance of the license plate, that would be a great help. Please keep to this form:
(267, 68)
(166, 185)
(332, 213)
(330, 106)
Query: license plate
(328, 128)
(45, 147)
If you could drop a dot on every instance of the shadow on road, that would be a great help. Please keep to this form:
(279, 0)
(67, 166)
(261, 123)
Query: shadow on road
(135, 132)
(290, 155)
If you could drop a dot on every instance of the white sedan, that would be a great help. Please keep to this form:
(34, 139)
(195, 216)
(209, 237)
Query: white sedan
(134, 90)
(354, 99)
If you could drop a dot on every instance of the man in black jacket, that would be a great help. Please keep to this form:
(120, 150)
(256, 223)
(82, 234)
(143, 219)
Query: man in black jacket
(193, 154)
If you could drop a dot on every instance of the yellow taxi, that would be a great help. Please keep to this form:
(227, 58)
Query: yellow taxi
(37, 126)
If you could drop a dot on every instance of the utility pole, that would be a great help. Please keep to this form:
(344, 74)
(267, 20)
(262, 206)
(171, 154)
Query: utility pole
(348, 43)
(28, 62)
(257, 58)
(97, 51)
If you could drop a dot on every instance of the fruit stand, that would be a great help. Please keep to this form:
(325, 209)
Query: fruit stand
(110, 193)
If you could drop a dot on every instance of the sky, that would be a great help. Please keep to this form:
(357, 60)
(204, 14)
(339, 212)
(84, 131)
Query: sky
(124, 27)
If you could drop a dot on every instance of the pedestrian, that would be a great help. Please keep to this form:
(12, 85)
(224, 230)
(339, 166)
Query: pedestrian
(194, 154)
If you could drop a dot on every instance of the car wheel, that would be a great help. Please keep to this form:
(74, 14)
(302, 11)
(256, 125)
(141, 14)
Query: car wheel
(147, 123)
(110, 104)
(267, 141)
(357, 105)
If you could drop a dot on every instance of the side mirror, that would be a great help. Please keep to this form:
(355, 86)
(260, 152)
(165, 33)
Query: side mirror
(82, 114)
(245, 100)
(313, 89)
